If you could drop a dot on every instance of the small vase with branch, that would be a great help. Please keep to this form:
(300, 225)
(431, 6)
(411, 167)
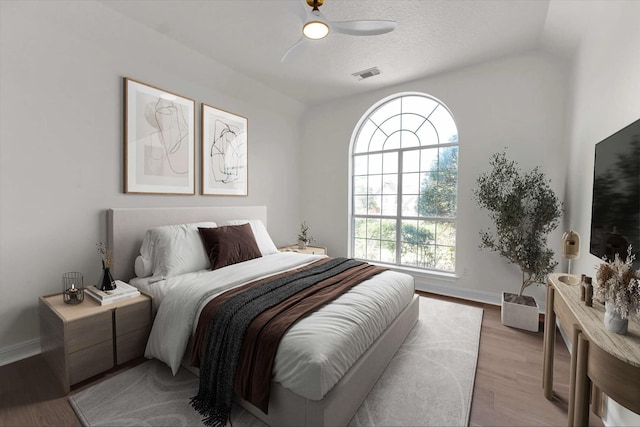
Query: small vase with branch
(304, 239)
(106, 282)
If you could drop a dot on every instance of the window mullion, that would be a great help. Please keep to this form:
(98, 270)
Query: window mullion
(399, 211)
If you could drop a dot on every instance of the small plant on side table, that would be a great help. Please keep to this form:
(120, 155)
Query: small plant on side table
(303, 238)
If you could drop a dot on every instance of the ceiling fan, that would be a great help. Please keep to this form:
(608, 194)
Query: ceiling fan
(316, 27)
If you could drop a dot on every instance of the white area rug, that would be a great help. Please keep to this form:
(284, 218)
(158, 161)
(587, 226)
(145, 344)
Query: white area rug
(428, 382)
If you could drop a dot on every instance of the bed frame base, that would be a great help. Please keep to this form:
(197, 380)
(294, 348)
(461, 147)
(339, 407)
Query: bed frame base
(341, 403)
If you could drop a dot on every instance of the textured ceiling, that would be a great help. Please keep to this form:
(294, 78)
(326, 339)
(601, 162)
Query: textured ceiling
(432, 36)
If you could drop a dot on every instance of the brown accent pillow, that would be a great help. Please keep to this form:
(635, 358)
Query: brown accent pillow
(230, 244)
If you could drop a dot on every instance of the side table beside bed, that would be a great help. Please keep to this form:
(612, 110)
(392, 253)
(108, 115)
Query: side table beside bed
(83, 340)
(311, 250)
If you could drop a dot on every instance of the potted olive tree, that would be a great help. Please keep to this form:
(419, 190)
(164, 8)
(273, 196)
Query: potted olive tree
(524, 210)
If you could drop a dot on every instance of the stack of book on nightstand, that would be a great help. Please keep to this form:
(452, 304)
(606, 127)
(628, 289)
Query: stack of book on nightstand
(121, 292)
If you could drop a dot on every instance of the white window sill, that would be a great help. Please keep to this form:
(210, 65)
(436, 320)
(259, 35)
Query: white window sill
(440, 276)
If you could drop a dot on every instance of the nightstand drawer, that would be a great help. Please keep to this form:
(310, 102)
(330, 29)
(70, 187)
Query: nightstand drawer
(91, 361)
(88, 331)
(132, 345)
(132, 317)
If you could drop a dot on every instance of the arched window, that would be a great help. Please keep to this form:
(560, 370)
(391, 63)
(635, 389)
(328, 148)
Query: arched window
(404, 178)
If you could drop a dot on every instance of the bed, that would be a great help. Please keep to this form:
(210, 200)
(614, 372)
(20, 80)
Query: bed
(319, 402)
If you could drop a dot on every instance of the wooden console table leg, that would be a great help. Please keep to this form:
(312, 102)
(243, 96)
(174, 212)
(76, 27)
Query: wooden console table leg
(582, 388)
(548, 345)
(571, 399)
(597, 401)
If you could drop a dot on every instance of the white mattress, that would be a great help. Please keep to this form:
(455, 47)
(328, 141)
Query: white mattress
(316, 352)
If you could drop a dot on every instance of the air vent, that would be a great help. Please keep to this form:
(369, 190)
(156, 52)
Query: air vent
(365, 74)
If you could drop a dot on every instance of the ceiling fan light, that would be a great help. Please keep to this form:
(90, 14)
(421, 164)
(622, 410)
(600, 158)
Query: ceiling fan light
(315, 30)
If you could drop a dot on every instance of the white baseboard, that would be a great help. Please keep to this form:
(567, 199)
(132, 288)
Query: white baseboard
(451, 291)
(19, 351)
(468, 294)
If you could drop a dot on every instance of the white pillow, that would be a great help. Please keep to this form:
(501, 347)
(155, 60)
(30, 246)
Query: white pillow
(142, 266)
(174, 249)
(265, 244)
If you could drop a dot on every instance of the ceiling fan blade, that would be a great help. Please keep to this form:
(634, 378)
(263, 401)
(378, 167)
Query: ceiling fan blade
(363, 28)
(295, 50)
(300, 9)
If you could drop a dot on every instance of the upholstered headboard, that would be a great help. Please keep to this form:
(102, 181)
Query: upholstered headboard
(126, 228)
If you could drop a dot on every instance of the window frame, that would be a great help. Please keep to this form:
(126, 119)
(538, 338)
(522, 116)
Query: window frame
(398, 218)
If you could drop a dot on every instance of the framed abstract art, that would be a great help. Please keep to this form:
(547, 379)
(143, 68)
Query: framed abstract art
(224, 153)
(159, 141)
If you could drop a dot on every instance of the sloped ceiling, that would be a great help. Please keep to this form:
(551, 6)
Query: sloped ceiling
(432, 36)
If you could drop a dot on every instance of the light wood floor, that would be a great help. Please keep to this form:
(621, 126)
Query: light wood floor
(507, 392)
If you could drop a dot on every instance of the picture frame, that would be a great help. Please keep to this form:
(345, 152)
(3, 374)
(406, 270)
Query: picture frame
(224, 153)
(159, 141)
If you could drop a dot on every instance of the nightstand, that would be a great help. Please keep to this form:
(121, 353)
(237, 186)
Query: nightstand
(80, 341)
(313, 250)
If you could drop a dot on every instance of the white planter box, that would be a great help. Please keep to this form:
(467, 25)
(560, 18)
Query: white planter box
(520, 315)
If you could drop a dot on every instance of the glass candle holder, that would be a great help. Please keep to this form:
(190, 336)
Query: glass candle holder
(72, 288)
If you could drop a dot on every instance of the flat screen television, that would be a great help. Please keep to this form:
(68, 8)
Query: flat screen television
(615, 213)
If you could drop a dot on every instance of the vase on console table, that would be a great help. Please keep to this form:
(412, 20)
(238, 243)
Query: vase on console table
(618, 285)
(613, 321)
(107, 283)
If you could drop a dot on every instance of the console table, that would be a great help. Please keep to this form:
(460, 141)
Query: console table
(601, 361)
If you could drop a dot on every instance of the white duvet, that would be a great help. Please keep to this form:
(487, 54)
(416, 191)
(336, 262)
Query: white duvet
(314, 353)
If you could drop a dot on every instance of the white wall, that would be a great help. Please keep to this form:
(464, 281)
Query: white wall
(61, 147)
(605, 98)
(61, 69)
(517, 102)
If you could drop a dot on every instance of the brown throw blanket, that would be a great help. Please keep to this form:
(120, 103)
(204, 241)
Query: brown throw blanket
(301, 291)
